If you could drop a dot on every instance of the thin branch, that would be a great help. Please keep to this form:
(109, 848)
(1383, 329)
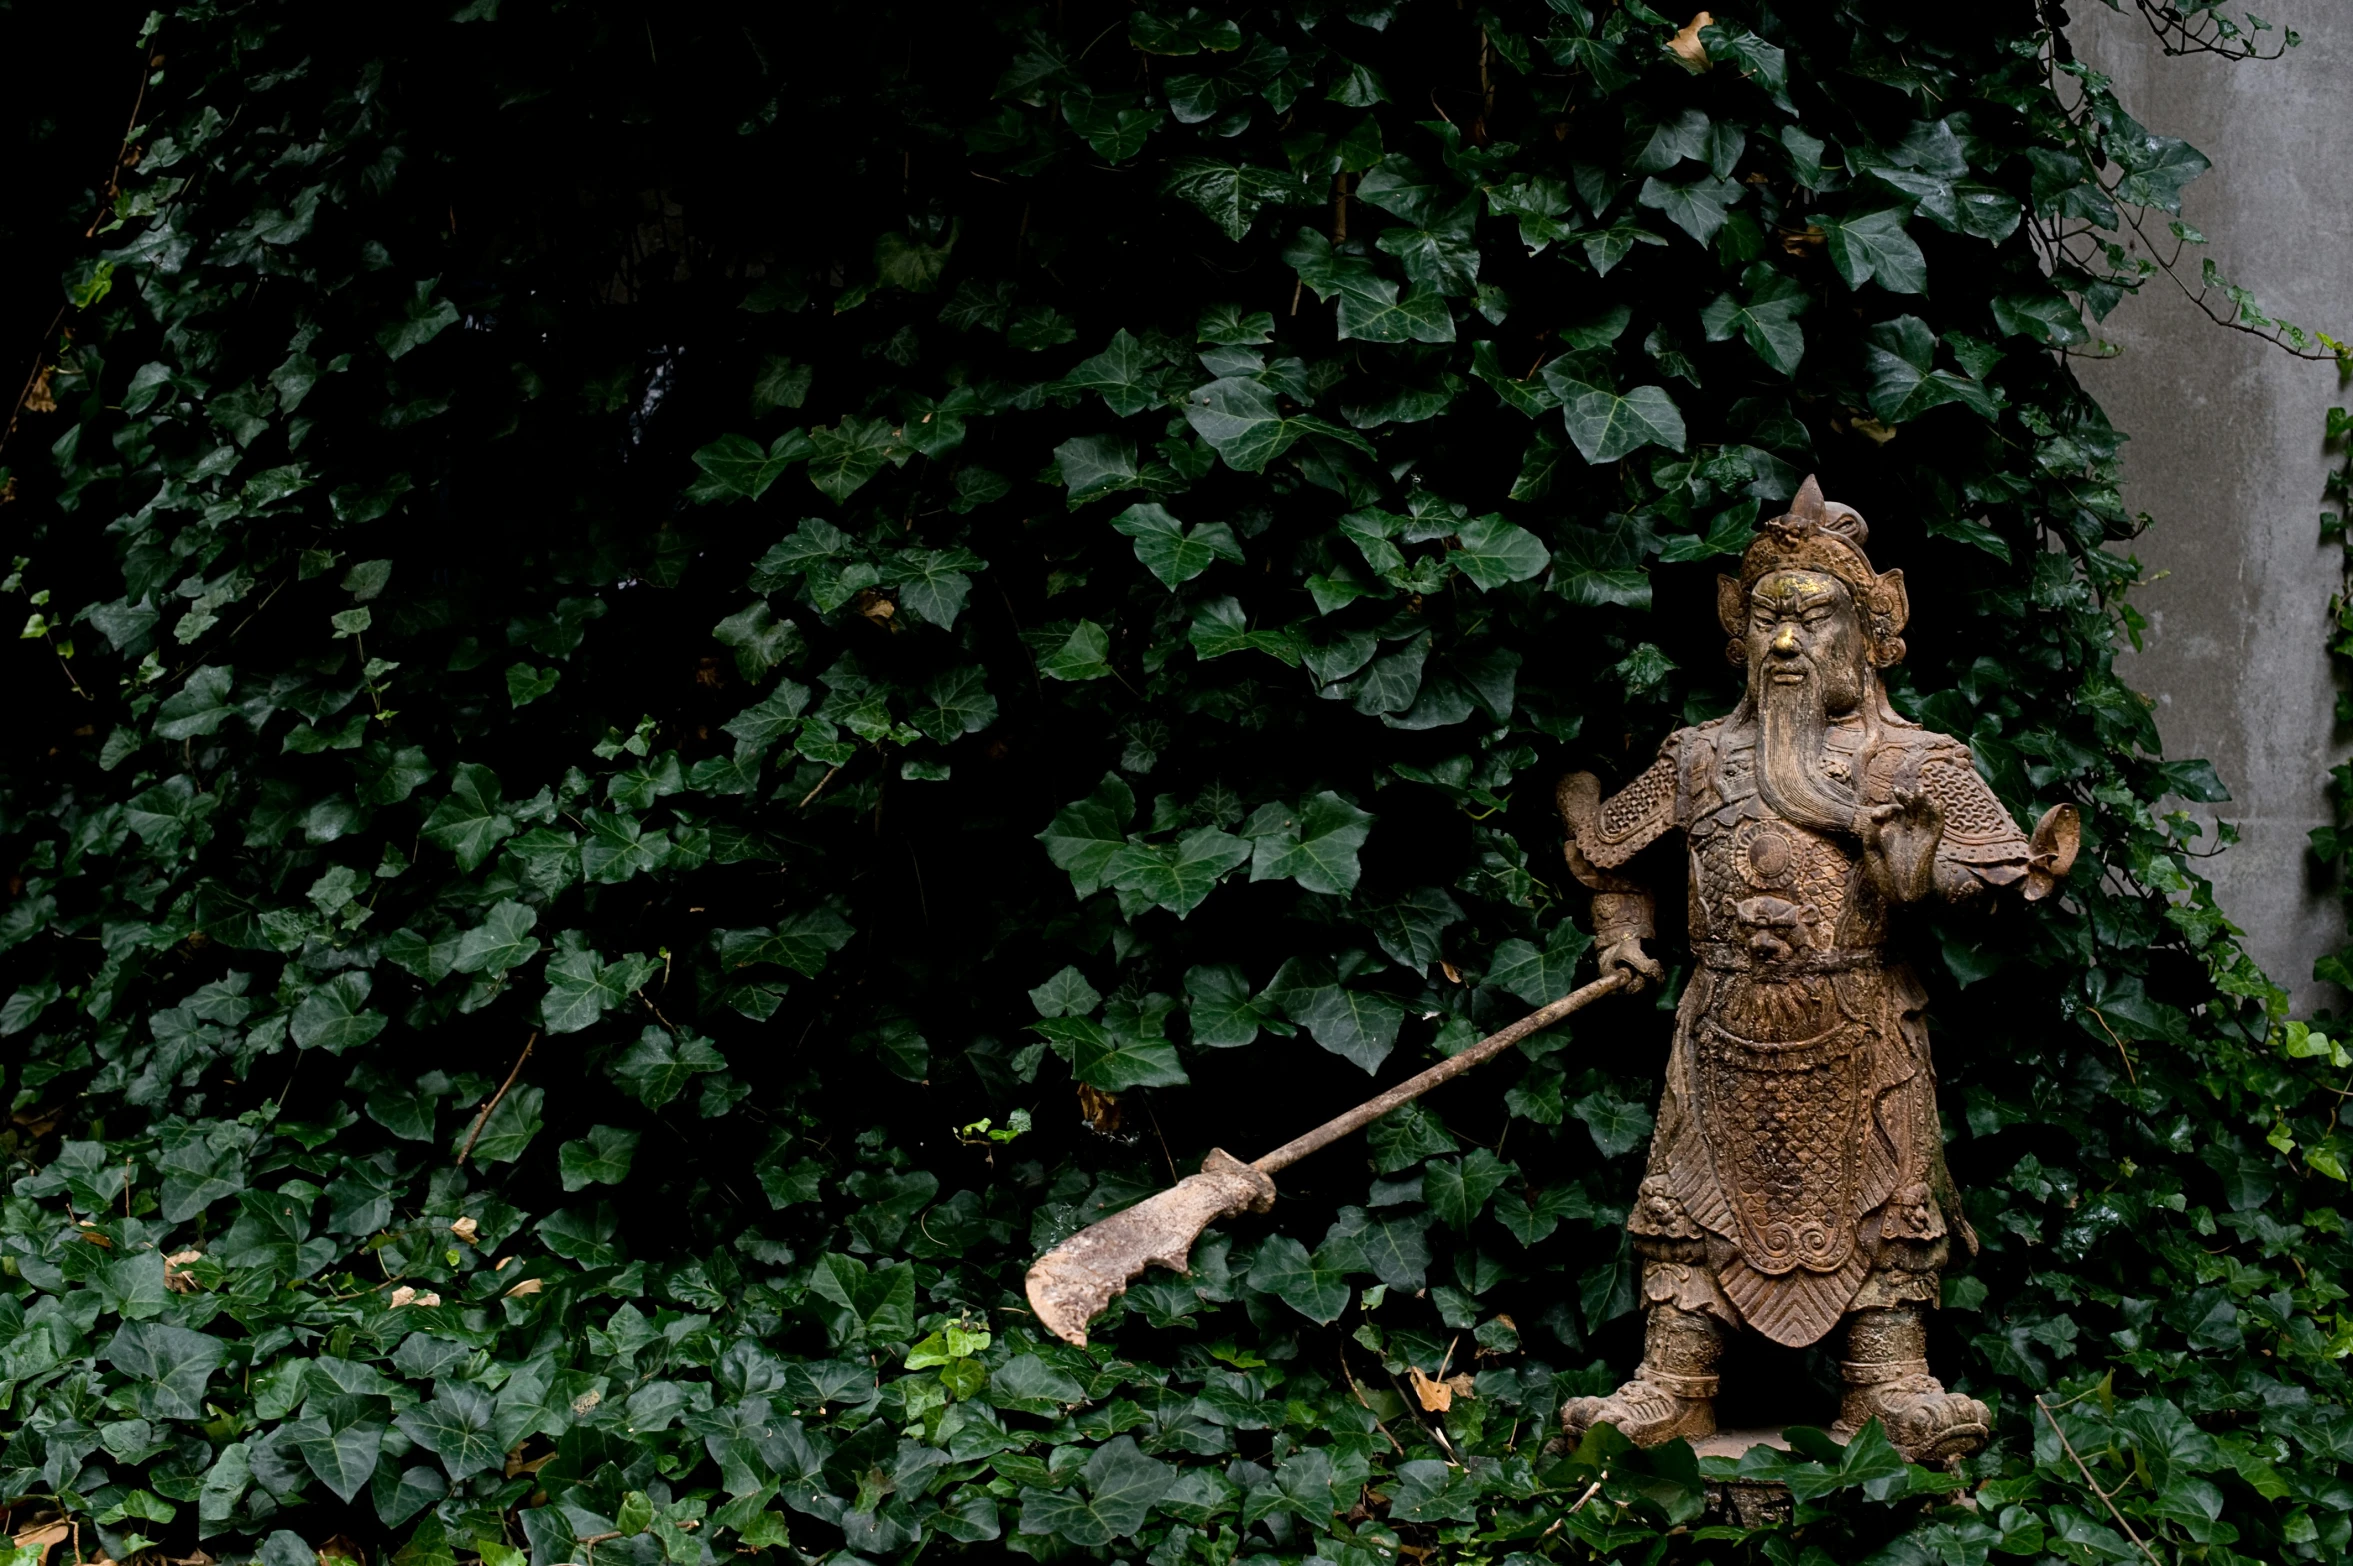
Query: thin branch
(483, 1118)
(2176, 36)
(2084, 1469)
(2129, 1073)
(105, 201)
(820, 788)
(1349, 1376)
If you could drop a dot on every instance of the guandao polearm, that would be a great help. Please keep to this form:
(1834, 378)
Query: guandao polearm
(1077, 1280)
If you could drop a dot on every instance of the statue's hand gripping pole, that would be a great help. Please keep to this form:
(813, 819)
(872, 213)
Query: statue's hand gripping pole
(1074, 1282)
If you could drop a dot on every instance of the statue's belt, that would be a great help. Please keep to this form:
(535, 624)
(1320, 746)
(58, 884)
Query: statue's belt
(1737, 957)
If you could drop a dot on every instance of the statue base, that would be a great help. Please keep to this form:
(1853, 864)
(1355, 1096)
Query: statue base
(1746, 1503)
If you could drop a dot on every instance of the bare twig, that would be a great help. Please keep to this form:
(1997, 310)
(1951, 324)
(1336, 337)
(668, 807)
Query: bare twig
(819, 789)
(2084, 1469)
(1350, 1377)
(483, 1118)
(106, 197)
(2131, 1074)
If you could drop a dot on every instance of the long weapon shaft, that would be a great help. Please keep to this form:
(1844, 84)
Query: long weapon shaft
(1070, 1285)
(1414, 1087)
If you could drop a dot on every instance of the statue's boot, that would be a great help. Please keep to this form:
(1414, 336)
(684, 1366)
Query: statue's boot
(1886, 1372)
(1673, 1392)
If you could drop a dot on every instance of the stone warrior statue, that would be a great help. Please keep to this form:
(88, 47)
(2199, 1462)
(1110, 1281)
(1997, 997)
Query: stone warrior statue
(1797, 1176)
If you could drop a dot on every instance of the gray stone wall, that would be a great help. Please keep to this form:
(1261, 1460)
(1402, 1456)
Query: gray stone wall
(2226, 456)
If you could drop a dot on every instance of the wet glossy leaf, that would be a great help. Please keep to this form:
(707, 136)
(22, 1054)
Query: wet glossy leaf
(1085, 656)
(471, 820)
(1232, 196)
(1084, 836)
(501, 941)
(1358, 1025)
(600, 1158)
(1284, 1269)
(1494, 553)
(1606, 425)
(1168, 550)
(1873, 246)
(455, 1426)
(1121, 1487)
(165, 1368)
(1315, 845)
(1176, 876)
(657, 1068)
(1540, 975)
(334, 1017)
(1110, 1061)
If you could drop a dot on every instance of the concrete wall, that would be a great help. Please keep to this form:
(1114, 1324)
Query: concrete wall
(2226, 455)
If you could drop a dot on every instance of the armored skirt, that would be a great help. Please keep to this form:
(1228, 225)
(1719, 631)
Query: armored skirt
(1793, 1179)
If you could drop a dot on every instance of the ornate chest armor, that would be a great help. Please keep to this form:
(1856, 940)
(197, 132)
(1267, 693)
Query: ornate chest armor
(1788, 928)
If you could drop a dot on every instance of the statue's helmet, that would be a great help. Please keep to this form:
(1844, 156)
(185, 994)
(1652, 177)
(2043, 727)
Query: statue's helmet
(1821, 535)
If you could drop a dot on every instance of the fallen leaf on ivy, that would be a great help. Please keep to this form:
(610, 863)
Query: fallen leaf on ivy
(342, 1548)
(1100, 1110)
(1689, 52)
(40, 1539)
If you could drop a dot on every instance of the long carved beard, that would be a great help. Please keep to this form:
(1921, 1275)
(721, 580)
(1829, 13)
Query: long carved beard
(1793, 721)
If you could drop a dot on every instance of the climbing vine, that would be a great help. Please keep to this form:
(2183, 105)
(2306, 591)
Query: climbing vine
(691, 679)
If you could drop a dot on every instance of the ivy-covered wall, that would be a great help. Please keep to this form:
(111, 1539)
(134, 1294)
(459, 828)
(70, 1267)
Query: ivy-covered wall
(696, 677)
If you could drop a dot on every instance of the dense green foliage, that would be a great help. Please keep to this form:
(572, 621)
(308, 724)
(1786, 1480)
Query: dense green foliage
(878, 624)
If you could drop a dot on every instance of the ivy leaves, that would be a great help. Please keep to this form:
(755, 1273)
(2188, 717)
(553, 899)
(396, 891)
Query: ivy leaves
(1171, 552)
(1118, 1488)
(1064, 626)
(1767, 322)
(471, 820)
(167, 1368)
(1175, 875)
(1316, 846)
(1605, 424)
(1873, 247)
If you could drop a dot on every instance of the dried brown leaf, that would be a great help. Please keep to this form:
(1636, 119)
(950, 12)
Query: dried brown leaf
(342, 1547)
(1100, 1110)
(42, 1537)
(1689, 52)
(519, 1465)
(175, 1274)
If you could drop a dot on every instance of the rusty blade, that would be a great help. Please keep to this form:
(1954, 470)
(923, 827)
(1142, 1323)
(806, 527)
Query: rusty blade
(1073, 1283)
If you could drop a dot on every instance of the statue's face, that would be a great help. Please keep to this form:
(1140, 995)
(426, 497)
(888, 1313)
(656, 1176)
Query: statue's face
(1803, 631)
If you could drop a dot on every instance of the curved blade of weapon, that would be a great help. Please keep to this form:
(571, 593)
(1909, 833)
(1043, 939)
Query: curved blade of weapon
(1077, 1280)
